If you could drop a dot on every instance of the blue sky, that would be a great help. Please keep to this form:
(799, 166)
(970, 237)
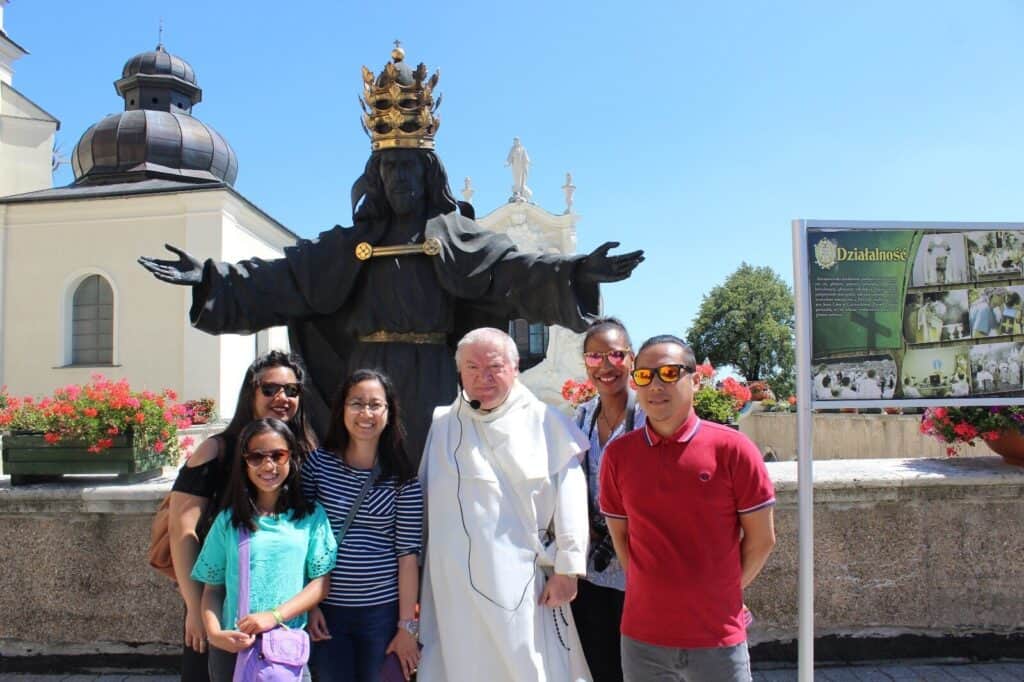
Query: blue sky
(694, 130)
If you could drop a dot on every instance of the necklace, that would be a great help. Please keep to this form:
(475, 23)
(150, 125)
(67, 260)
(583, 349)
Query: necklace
(261, 512)
(608, 421)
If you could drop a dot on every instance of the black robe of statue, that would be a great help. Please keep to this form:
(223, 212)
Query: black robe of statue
(329, 298)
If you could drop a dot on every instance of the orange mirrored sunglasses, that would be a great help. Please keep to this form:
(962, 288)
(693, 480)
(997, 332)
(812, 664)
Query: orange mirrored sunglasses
(668, 374)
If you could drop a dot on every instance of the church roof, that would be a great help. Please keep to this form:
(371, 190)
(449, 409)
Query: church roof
(141, 186)
(159, 62)
(156, 136)
(6, 37)
(26, 107)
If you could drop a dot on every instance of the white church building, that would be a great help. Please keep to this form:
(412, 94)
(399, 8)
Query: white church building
(73, 299)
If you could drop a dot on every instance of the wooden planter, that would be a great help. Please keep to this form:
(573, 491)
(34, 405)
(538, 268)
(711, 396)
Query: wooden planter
(27, 458)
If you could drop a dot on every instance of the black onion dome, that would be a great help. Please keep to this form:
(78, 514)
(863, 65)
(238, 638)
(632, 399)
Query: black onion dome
(156, 135)
(159, 62)
(153, 144)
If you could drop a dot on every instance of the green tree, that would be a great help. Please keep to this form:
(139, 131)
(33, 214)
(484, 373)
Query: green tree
(748, 322)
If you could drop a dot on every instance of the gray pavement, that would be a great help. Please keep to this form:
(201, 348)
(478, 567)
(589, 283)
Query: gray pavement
(895, 672)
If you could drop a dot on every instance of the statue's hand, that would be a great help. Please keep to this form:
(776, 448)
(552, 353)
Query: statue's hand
(186, 271)
(600, 267)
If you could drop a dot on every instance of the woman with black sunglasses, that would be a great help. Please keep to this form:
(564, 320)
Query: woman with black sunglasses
(608, 358)
(272, 387)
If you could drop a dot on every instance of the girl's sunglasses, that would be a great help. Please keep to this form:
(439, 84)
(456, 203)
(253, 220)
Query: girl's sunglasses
(668, 374)
(616, 357)
(256, 458)
(269, 389)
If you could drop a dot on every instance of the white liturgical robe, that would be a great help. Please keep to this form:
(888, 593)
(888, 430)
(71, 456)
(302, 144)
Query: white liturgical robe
(495, 483)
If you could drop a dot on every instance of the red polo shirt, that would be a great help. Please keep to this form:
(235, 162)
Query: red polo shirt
(683, 497)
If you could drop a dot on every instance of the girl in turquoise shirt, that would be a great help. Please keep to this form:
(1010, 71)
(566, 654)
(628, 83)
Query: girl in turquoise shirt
(292, 549)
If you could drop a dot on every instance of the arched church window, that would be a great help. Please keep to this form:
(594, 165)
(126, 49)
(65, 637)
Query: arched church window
(92, 322)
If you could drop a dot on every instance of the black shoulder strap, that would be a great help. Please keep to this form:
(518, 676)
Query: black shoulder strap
(593, 419)
(340, 535)
(630, 411)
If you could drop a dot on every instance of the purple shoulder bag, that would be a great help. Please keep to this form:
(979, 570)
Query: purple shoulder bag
(277, 655)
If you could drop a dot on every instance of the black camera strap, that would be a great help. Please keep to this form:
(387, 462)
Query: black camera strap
(600, 530)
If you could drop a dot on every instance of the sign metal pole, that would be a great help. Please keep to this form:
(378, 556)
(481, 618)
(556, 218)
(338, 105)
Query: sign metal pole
(805, 457)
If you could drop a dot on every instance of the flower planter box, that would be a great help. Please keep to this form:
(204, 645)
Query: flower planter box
(27, 458)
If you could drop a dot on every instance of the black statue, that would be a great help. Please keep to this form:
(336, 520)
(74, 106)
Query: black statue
(348, 305)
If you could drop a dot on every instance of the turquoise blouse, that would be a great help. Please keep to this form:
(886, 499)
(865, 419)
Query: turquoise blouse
(284, 555)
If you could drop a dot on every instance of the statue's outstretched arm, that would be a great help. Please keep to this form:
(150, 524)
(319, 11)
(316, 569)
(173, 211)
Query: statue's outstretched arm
(599, 267)
(239, 298)
(185, 271)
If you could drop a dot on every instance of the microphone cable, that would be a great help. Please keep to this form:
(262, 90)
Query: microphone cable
(465, 528)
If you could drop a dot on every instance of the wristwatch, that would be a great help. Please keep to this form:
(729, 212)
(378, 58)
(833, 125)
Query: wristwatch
(412, 626)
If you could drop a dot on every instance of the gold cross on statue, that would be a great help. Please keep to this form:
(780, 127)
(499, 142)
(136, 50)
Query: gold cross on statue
(366, 251)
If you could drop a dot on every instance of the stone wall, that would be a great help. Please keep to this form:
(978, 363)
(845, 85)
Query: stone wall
(916, 546)
(848, 436)
(926, 547)
(74, 568)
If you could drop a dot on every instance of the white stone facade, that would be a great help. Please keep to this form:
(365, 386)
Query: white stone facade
(26, 130)
(49, 247)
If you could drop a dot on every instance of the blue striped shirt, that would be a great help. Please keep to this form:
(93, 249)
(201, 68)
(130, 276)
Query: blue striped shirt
(613, 576)
(389, 524)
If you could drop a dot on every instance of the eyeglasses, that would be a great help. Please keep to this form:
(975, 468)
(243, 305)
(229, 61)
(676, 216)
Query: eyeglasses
(269, 389)
(256, 458)
(617, 358)
(669, 374)
(357, 406)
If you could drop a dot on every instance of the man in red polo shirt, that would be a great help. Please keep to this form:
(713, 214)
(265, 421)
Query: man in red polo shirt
(689, 507)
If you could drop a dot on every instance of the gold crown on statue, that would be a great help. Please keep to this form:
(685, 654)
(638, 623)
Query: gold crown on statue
(398, 106)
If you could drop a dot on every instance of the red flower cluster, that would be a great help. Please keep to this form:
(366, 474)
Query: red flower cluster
(578, 392)
(97, 411)
(737, 391)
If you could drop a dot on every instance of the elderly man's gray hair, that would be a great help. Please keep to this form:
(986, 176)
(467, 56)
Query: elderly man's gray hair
(485, 335)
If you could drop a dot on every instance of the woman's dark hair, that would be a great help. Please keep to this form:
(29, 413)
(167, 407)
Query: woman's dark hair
(243, 416)
(391, 453)
(603, 324)
(241, 493)
(369, 201)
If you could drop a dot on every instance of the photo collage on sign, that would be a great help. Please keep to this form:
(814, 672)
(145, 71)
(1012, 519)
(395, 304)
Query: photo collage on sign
(869, 378)
(965, 291)
(917, 313)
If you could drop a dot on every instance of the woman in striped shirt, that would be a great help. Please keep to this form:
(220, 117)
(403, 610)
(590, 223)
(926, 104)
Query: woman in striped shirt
(371, 609)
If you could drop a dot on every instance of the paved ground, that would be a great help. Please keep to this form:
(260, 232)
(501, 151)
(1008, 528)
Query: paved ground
(909, 672)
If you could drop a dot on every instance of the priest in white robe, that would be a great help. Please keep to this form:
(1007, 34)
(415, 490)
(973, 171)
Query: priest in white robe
(507, 528)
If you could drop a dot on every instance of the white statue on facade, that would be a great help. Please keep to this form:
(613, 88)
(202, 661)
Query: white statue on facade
(569, 190)
(519, 160)
(467, 190)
